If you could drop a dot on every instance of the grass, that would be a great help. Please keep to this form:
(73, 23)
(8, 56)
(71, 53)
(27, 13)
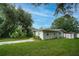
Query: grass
(66, 47)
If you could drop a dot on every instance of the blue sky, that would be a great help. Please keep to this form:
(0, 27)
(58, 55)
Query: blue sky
(42, 16)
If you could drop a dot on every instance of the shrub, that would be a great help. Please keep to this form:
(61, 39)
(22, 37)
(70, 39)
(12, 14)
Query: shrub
(37, 37)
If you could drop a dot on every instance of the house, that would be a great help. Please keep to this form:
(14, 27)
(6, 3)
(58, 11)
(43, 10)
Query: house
(54, 33)
(48, 33)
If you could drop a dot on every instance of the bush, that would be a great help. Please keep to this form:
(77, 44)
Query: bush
(18, 33)
(37, 37)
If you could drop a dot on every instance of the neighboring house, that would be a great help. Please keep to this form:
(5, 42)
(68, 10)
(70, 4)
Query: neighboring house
(49, 33)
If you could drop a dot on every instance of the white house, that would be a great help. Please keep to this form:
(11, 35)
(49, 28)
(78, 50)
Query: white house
(49, 33)
(54, 33)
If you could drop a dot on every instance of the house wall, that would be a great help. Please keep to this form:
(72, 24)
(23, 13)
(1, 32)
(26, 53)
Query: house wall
(69, 35)
(39, 34)
(77, 35)
(35, 33)
(50, 35)
(62, 34)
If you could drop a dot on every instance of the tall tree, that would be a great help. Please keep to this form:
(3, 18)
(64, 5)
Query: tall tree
(12, 19)
(8, 11)
(66, 8)
(67, 22)
(25, 21)
(62, 8)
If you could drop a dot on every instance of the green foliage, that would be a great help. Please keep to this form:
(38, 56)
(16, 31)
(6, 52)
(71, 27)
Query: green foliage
(18, 33)
(1, 20)
(12, 19)
(67, 22)
(66, 8)
(36, 37)
(62, 8)
(25, 21)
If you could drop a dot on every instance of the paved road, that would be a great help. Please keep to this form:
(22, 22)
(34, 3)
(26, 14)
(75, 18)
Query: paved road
(17, 41)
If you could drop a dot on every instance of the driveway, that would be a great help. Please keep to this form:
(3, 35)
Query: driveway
(17, 41)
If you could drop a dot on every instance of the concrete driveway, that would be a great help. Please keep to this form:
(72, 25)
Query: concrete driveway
(17, 41)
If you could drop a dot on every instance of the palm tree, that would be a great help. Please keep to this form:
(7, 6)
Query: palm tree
(66, 8)
(63, 8)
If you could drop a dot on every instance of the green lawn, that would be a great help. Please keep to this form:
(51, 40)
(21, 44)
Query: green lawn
(42, 48)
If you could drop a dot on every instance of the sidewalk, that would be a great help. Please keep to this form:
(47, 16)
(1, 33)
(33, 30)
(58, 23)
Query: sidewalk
(17, 41)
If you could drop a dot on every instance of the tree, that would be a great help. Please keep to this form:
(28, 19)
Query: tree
(66, 8)
(25, 21)
(12, 19)
(8, 11)
(62, 8)
(67, 22)
(18, 33)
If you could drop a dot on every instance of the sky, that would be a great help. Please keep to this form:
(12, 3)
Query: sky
(42, 15)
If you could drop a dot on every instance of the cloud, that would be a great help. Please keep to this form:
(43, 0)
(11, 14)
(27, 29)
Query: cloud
(39, 20)
(38, 13)
(41, 16)
(39, 26)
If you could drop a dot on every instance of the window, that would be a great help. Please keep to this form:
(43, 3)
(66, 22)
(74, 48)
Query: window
(54, 33)
(60, 33)
(47, 34)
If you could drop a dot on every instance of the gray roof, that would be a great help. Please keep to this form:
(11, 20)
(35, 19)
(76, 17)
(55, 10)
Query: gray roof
(47, 29)
(51, 29)
(34, 29)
